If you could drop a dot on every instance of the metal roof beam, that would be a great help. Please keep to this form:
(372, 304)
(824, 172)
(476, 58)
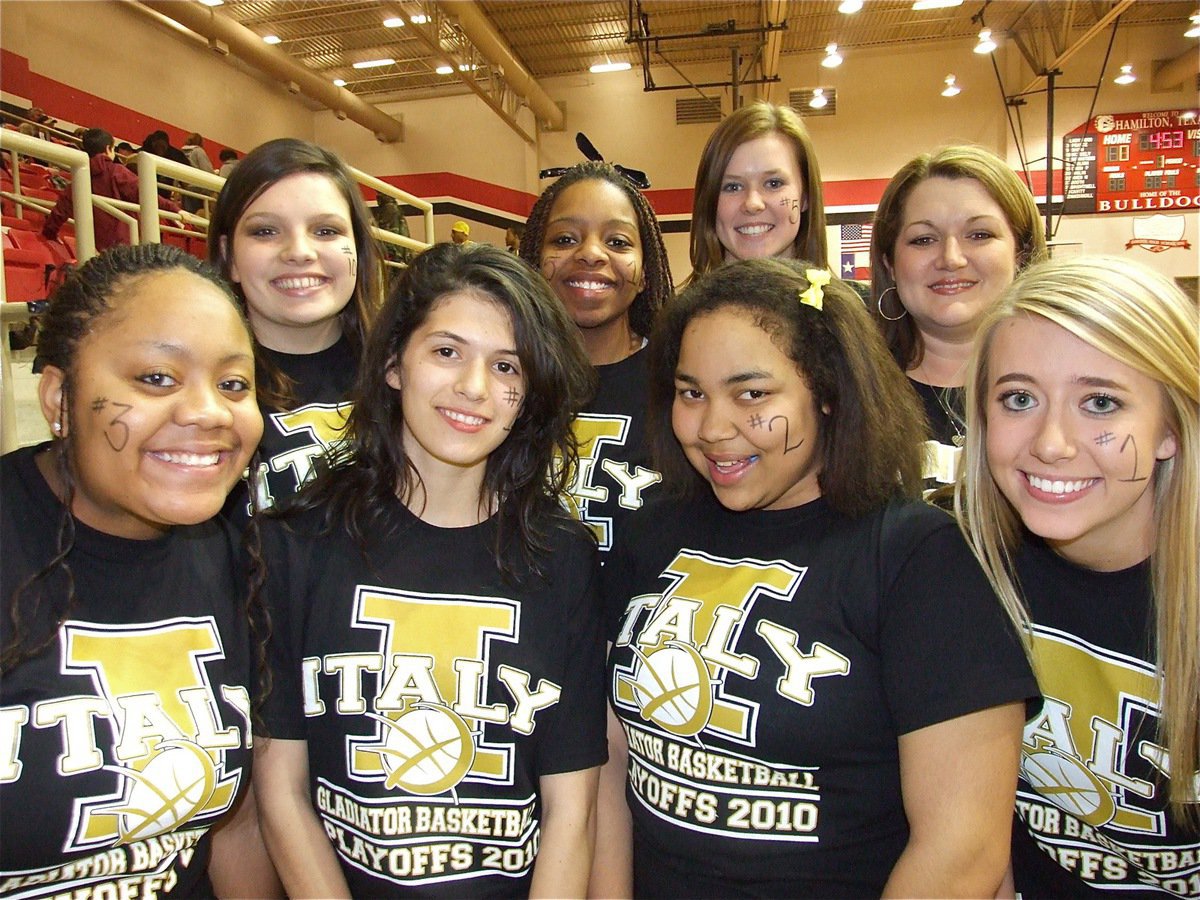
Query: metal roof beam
(249, 47)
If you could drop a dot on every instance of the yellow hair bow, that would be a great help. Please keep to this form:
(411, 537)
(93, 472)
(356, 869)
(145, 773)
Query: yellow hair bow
(813, 296)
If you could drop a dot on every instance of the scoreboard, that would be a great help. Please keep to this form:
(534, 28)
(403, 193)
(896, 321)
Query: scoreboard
(1133, 162)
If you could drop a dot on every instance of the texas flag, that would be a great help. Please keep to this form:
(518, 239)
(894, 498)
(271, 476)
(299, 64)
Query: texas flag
(856, 252)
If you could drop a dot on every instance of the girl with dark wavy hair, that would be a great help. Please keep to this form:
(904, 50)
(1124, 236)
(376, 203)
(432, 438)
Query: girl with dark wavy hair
(127, 651)
(438, 661)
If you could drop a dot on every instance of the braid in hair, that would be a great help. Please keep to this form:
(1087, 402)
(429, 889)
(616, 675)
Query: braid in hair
(658, 287)
(14, 652)
(257, 612)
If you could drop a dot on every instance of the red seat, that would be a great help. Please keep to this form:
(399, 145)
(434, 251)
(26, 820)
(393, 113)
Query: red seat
(24, 272)
(20, 224)
(33, 265)
(33, 243)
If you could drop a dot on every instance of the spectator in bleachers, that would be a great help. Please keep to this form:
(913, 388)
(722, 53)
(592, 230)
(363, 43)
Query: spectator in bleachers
(193, 149)
(109, 179)
(229, 159)
(42, 122)
(125, 153)
(389, 217)
(158, 143)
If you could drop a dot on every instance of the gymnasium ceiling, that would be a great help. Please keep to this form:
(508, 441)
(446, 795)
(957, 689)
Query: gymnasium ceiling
(550, 38)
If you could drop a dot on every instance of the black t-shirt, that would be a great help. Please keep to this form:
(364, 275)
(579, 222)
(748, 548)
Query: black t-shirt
(293, 438)
(126, 739)
(945, 410)
(764, 665)
(615, 473)
(433, 694)
(1091, 801)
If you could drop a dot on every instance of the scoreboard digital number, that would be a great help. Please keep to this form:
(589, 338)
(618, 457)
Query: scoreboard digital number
(1133, 162)
(1166, 140)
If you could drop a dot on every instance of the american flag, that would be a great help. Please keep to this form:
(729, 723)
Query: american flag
(856, 252)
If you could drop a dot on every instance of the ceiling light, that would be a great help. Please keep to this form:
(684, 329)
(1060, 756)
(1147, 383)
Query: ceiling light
(850, 7)
(919, 5)
(393, 22)
(463, 67)
(832, 59)
(610, 67)
(1126, 76)
(271, 39)
(952, 89)
(374, 63)
(1194, 31)
(819, 100)
(340, 82)
(212, 2)
(444, 70)
(986, 44)
(418, 19)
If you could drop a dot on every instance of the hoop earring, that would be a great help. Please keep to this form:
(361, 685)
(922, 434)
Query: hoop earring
(883, 315)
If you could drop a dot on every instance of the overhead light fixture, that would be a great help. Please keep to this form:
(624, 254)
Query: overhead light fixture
(986, 44)
(1194, 31)
(850, 7)
(832, 59)
(418, 19)
(271, 39)
(212, 2)
(819, 100)
(374, 63)
(610, 66)
(919, 5)
(464, 67)
(952, 89)
(393, 22)
(340, 82)
(1126, 76)
(444, 70)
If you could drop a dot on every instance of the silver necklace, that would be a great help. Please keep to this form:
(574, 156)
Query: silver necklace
(946, 401)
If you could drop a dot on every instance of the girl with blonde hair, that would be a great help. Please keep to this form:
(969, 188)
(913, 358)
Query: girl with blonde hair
(1079, 495)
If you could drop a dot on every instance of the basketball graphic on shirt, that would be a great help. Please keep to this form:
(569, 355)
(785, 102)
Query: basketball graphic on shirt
(673, 688)
(1069, 785)
(428, 750)
(174, 785)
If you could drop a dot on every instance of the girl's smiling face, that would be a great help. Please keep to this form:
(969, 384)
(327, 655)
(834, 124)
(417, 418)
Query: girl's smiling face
(1073, 437)
(744, 415)
(294, 257)
(461, 386)
(162, 414)
(761, 201)
(592, 253)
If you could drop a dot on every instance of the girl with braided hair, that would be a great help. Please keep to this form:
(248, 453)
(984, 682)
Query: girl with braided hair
(127, 662)
(594, 237)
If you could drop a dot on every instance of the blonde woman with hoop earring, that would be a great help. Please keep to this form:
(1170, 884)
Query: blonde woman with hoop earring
(952, 231)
